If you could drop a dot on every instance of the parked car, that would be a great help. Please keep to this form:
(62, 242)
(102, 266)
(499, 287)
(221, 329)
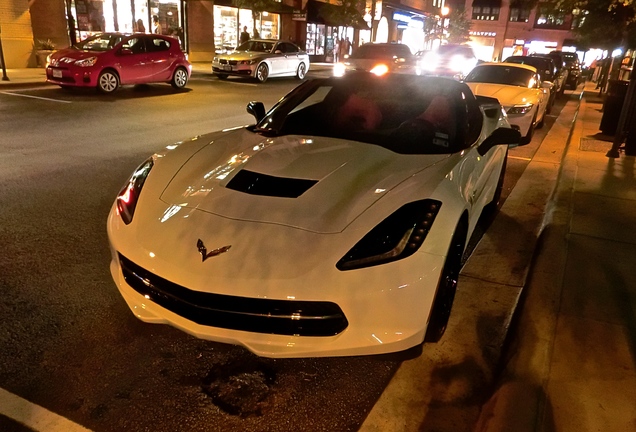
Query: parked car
(573, 64)
(333, 226)
(518, 88)
(108, 60)
(451, 60)
(379, 58)
(262, 59)
(547, 71)
(562, 68)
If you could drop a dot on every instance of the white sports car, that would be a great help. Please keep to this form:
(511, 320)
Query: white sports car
(334, 226)
(518, 88)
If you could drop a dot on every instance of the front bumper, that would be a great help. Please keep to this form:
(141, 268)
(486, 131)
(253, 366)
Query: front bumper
(234, 69)
(72, 76)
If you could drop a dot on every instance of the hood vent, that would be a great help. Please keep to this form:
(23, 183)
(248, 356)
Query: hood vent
(262, 184)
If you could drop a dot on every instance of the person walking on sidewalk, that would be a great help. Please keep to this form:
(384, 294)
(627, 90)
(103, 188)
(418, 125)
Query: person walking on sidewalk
(245, 36)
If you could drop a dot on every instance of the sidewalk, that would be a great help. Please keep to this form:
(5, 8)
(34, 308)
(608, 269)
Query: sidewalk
(570, 365)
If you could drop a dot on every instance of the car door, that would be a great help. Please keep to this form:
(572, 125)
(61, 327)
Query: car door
(135, 67)
(279, 59)
(159, 56)
(293, 58)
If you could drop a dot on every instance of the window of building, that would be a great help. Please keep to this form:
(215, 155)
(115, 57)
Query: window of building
(485, 13)
(578, 18)
(519, 15)
(547, 17)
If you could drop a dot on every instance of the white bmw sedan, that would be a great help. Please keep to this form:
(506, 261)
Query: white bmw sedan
(262, 59)
(518, 88)
(333, 226)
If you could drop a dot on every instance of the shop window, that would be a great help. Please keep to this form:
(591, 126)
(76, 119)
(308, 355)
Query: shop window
(547, 17)
(519, 15)
(485, 13)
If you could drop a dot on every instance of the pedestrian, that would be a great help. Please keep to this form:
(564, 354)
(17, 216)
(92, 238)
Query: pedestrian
(336, 50)
(156, 27)
(345, 48)
(139, 27)
(245, 36)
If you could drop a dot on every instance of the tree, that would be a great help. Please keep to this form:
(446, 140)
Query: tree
(458, 26)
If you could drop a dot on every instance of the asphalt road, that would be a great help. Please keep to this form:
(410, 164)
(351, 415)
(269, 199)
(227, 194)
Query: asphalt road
(69, 343)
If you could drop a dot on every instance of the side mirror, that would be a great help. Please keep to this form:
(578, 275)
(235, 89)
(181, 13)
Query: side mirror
(546, 84)
(257, 109)
(125, 51)
(500, 136)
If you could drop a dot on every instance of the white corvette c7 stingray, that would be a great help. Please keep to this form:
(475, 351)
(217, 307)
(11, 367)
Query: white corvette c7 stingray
(334, 226)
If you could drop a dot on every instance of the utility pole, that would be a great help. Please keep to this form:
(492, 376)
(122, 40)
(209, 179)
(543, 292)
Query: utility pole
(4, 68)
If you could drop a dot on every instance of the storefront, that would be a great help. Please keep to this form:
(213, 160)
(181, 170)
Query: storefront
(159, 16)
(229, 22)
(483, 44)
(327, 23)
(410, 30)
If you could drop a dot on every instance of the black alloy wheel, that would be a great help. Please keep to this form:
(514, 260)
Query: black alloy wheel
(447, 287)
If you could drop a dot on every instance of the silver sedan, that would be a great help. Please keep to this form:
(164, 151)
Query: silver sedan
(262, 59)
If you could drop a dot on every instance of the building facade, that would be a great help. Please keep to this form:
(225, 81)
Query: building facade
(501, 28)
(207, 27)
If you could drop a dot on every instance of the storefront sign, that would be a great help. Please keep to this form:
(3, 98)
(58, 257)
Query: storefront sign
(483, 33)
(299, 15)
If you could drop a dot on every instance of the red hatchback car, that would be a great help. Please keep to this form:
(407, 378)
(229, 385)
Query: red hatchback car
(108, 60)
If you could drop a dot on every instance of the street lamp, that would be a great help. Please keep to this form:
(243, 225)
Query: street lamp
(444, 11)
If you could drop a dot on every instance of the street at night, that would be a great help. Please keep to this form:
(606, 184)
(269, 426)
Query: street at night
(69, 342)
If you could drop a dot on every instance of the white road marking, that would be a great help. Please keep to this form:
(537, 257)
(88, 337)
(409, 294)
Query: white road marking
(34, 416)
(519, 158)
(34, 97)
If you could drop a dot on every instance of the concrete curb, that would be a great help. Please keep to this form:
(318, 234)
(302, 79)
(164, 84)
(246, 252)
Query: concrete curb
(445, 387)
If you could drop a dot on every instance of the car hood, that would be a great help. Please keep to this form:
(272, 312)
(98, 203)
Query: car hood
(74, 54)
(507, 95)
(243, 55)
(335, 180)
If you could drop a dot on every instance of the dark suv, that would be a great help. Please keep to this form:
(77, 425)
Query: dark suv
(573, 65)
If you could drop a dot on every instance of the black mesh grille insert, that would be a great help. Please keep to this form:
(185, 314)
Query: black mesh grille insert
(262, 184)
(285, 317)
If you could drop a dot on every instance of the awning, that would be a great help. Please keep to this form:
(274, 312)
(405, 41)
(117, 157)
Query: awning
(334, 15)
(487, 3)
(275, 7)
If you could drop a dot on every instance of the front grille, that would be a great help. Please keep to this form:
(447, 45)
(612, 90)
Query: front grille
(231, 62)
(284, 317)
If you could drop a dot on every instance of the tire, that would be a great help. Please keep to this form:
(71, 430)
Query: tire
(302, 71)
(262, 72)
(179, 78)
(221, 76)
(108, 81)
(492, 207)
(447, 287)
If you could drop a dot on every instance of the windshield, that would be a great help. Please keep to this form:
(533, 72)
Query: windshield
(381, 52)
(451, 50)
(100, 42)
(407, 114)
(514, 76)
(258, 46)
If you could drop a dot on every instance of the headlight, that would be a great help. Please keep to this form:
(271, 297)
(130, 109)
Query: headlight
(396, 237)
(339, 69)
(129, 194)
(430, 62)
(90, 61)
(379, 69)
(520, 109)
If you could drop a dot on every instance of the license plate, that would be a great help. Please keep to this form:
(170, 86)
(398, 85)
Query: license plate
(57, 73)
(227, 67)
